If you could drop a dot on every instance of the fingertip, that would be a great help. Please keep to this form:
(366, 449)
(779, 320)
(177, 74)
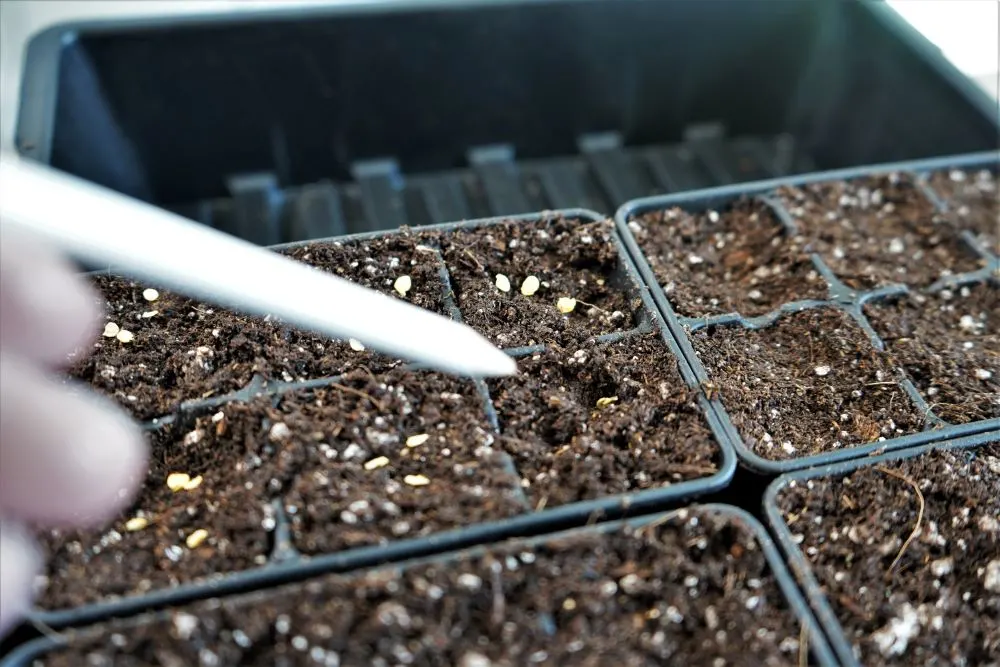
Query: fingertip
(20, 564)
(48, 311)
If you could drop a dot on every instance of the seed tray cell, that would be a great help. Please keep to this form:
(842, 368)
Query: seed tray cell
(812, 354)
(898, 553)
(692, 585)
(349, 470)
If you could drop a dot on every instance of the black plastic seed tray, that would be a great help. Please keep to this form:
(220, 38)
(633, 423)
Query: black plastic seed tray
(839, 296)
(286, 124)
(550, 543)
(286, 565)
(795, 559)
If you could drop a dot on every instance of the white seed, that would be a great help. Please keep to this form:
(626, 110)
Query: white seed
(606, 401)
(356, 345)
(402, 284)
(125, 336)
(822, 370)
(195, 539)
(111, 330)
(983, 374)
(176, 481)
(377, 462)
(565, 304)
(530, 286)
(136, 523)
(417, 440)
(416, 480)
(150, 294)
(150, 313)
(503, 283)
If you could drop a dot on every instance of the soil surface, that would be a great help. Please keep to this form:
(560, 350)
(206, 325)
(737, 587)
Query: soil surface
(949, 344)
(973, 200)
(877, 231)
(930, 600)
(184, 350)
(568, 258)
(694, 590)
(809, 383)
(739, 259)
(602, 419)
(309, 454)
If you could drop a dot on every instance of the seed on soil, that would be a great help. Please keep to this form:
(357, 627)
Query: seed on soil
(566, 304)
(181, 481)
(376, 463)
(150, 313)
(503, 283)
(125, 336)
(195, 539)
(417, 440)
(356, 345)
(822, 370)
(150, 294)
(530, 286)
(416, 480)
(479, 611)
(605, 401)
(403, 284)
(136, 523)
(111, 330)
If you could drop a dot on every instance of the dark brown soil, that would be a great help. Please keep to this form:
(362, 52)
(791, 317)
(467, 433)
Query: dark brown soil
(930, 600)
(569, 259)
(189, 350)
(808, 384)
(736, 260)
(877, 231)
(571, 444)
(310, 453)
(973, 200)
(949, 344)
(695, 590)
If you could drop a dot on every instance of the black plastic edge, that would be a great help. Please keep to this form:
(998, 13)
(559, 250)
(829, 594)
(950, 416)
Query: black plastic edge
(817, 642)
(796, 560)
(721, 195)
(530, 523)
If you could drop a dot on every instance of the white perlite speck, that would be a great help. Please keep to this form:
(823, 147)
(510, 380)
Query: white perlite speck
(896, 246)
(185, 625)
(356, 345)
(942, 567)
(822, 370)
(895, 637)
(983, 374)
(279, 431)
(991, 578)
(474, 659)
(755, 295)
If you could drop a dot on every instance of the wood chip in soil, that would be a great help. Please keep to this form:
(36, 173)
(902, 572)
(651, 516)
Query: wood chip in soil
(949, 345)
(694, 590)
(569, 258)
(602, 419)
(973, 200)
(308, 453)
(877, 231)
(189, 350)
(738, 259)
(808, 384)
(940, 603)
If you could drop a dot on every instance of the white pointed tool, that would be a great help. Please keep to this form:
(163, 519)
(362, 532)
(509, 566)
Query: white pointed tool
(99, 226)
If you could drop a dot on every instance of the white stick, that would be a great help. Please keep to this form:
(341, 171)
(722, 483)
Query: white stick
(100, 226)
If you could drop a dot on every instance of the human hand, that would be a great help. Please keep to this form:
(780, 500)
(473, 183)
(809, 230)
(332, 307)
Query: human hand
(67, 457)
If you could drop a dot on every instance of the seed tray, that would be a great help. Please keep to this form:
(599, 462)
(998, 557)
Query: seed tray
(840, 298)
(808, 579)
(540, 629)
(284, 564)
